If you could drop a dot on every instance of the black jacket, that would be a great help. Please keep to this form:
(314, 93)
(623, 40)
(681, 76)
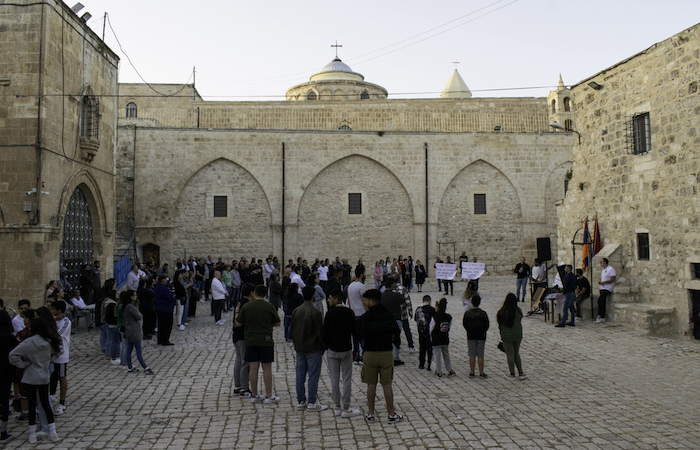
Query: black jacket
(377, 328)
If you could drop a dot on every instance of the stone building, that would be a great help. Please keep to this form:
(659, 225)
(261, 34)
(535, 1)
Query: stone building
(637, 168)
(58, 85)
(332, 172)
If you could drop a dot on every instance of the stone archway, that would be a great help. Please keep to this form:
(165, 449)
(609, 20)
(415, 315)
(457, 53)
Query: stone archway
(493, 237)
(383, 227)
(242, 226)
(76, 249)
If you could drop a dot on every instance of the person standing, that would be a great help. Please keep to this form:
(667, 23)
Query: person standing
(406, 311)
(257, 318)
(132, 278)
(34, 355)
(522, 271)
(476, 323)
(438, 261)
(448, 284)
(165, 303)
(308, 344)
(219, 293)
(607, 280)
(569, 289)
(509, 319)
(462, 258)
(338, 328)
(354, 299)
(378, 330)
(440, 326)
(424, 314)
(322, 271)
(539, 276)
(133, 326)
(420, 275)
(394, 303)
(60, 364)
(241, 367)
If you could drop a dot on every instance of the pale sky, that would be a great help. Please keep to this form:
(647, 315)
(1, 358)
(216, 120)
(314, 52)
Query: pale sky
(256, 50)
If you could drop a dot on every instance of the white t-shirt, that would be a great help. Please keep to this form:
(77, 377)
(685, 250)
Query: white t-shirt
(64, 327)
(296, 278)
(17, 323)
(322, 273)
(355, 291)
(606, 275)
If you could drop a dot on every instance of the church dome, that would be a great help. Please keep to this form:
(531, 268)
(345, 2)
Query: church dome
(337, 70)
(336, 82)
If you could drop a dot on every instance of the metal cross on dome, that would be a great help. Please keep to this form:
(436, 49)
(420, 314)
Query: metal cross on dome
(455, 63)
(336, 48)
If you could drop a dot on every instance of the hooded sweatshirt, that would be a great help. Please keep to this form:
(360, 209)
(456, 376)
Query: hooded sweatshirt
(34, 355)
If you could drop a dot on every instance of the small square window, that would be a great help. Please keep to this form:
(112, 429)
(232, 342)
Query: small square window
(643, 246)
(695, 271)
(355, 203)
(220, 206)
(479, 203)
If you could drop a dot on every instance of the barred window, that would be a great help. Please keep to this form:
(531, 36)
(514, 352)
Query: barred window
(131, 110)
(354, 203)
(643, 246)
(364, 96)
(639, 134)
(90, 117)
(220, 206)
(311, 96)
(345, 128)
(479, 203)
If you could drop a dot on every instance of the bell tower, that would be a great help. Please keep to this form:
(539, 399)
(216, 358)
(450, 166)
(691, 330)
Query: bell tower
(560, 104)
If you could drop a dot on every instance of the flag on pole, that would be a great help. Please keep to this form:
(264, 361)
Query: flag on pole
(586, 245)
(597, 242)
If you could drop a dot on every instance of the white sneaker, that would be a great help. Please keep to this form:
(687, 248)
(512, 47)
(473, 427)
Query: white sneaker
(181, 328)
(602, 320)
(272, 400)
(116, 361)
(338, 411)
(256, 398)
(41, 434)
(597, 319)
(316, 407)
(578, 319)
(221, 322)
(350, 412)
(60, 409)
(412, 350)
(301, 405)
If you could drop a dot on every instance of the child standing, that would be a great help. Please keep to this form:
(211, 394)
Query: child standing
(476, 322)
(423, 315)
(440, 326)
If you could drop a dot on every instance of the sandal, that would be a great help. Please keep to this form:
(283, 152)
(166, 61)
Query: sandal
(369, 418)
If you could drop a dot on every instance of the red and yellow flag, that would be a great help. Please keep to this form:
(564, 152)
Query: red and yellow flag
(586, 245)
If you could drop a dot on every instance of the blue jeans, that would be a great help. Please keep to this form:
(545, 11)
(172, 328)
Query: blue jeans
(521, 285)
(131, 346)
(395, 348)
(439, 284)
(184, 311)
(308, 363)
(112, 341)
(287, 328)
(569, 305)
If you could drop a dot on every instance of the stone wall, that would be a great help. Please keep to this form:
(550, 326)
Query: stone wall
(175, 176)
(654, 192)
(51, 59)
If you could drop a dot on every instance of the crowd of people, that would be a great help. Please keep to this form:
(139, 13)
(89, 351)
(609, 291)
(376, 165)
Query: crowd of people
(325, 308)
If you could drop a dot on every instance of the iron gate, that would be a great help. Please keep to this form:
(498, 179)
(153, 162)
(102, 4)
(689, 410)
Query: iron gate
(77, 237)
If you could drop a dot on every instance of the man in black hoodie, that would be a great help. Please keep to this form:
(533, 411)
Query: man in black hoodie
(377, 329)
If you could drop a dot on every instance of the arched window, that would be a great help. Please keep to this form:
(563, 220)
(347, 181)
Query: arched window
(364, 96)
(345, 128)
(131, 110)
(90, 117)
(568, 125)
(311, 96)
(567, 104)
(554, 106)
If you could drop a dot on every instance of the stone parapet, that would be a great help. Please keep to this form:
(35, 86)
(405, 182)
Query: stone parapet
(648, 319)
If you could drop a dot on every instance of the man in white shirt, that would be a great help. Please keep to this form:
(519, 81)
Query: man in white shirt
(296, 277)
(81, 310)
(322, 271)
(268, 269)
(356, 290)
(218, 292)
(607, 280)
(18, 320)
(132, 278)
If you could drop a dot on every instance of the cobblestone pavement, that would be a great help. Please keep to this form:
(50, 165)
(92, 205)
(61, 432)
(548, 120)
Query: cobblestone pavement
(588, 387)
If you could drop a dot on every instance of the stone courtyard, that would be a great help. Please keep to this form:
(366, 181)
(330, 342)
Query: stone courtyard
(588, 387)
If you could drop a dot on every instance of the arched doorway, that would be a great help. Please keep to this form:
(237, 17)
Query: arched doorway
(76, 249)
